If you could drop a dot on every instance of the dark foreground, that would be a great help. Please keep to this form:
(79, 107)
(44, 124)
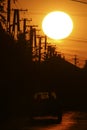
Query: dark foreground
(72, 120)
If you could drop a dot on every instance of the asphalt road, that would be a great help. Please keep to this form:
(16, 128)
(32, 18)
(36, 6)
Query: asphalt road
(71, 121)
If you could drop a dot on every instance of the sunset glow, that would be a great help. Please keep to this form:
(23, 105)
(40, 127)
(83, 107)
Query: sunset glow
(57, 25)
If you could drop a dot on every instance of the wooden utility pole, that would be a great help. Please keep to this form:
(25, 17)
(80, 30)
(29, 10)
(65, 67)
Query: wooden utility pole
(25, 20)
(32, 33)
(25, 24)
(9, 15)
(16, 20)
(75, 60)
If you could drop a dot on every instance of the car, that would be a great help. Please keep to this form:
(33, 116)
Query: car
(45, 103)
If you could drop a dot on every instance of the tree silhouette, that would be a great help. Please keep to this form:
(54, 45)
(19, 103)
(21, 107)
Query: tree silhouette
(2, 17)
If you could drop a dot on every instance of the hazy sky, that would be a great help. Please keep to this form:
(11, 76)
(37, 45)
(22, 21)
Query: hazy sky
(37, 9)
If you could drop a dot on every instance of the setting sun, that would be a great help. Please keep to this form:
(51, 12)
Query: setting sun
(57, 25)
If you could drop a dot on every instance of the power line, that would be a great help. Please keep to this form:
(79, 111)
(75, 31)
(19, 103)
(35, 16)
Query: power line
(83, 2)
(77, 40)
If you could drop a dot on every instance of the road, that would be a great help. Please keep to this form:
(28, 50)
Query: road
(71, 121)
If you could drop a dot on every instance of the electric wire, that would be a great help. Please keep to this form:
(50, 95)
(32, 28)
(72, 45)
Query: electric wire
(83, 2)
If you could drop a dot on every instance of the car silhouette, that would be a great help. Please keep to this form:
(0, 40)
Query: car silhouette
(45, 104)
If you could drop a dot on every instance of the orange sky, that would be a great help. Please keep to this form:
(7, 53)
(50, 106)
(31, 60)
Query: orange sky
(37, 9)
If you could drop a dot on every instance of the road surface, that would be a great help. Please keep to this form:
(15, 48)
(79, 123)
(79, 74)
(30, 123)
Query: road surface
(71, 121)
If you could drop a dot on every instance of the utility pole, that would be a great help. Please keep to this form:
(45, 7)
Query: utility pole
(40, 45)
(24, 24)
(85, 66)
(25, 20)
(45, 47)
(16, 20)
(32, 33)
(39, 49)
(75, 60)
(9, 15)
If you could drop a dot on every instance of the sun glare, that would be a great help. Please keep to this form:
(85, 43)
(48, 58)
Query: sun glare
(57, 25)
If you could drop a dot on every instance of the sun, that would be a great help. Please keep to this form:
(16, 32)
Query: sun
(57, 25)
